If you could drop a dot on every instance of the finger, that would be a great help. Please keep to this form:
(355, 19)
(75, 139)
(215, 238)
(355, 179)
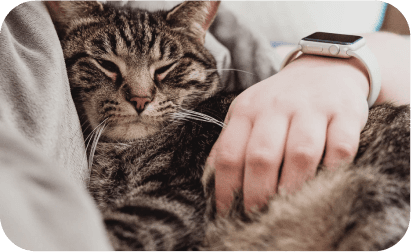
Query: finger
(303, 151)
(343, 136)
(264, 155)
(229, 160)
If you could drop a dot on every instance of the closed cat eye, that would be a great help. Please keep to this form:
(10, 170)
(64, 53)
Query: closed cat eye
(108, 65)
(163, 69)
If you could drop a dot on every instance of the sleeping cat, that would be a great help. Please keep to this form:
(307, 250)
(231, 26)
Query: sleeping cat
(143, 85)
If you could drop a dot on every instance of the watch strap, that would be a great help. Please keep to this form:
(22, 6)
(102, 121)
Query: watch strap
(290, 56)
(365, 55)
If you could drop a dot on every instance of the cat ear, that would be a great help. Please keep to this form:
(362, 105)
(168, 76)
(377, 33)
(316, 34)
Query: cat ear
(64, 12)
(193, 17)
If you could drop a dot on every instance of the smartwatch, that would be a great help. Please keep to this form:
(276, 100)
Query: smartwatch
(341, 46)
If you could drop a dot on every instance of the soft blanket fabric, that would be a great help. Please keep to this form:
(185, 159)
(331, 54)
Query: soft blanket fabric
(35, 96)
(43, 168)
(43, 201)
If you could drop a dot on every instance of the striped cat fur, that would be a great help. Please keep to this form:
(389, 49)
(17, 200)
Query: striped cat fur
(134, 75)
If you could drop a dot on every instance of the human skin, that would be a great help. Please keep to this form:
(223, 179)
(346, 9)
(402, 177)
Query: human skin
(314, 106)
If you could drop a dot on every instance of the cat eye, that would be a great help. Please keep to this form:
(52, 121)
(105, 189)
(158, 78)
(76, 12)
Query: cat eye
(161, 72)
(108, 65)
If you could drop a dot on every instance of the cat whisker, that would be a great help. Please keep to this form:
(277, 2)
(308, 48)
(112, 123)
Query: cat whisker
(95, 129)
(94, 145)
(123, 144)
(85, 121)
(88, 140)
(201, 115)
(183, 119)
(238, 70)
(90, 137)
(184, 114)
(212, 113)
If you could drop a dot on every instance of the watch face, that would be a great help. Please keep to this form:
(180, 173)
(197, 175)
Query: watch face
(332, 38)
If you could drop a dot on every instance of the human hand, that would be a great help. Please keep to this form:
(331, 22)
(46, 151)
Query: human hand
(315, 104)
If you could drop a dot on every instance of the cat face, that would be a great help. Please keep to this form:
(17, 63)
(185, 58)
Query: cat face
(129, 69)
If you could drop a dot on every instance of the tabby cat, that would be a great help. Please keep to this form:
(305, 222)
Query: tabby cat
(142, 81)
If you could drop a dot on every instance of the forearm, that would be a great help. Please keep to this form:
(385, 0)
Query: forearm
(392, 52)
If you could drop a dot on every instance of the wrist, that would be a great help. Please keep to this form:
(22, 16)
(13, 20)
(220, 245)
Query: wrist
(349, 70)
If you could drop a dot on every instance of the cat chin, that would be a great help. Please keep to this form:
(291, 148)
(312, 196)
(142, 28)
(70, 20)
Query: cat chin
(130, 132)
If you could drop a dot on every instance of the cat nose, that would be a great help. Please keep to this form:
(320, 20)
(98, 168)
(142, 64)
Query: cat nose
(141, 103)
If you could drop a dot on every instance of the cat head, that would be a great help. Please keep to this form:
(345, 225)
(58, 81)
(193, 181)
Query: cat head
(131, 69)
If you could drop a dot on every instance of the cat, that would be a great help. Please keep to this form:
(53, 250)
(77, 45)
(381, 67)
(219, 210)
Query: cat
(143, 83)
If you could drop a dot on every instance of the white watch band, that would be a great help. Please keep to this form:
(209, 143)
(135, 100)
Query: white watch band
(370, 62)
(290, 56)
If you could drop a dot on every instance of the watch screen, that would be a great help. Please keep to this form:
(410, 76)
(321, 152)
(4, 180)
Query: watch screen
(332, 38)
